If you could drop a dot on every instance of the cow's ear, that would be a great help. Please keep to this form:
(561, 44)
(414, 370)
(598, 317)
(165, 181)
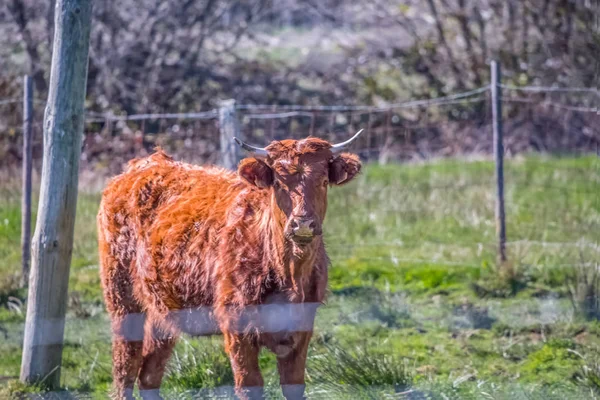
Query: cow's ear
(256, 172)
(343, 168)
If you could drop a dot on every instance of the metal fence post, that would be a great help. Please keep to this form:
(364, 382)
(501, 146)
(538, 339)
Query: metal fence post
(26, 183)
(496, 92)
(228, 129)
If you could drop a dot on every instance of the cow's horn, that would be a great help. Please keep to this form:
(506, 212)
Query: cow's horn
(256, 151)
(339, 147)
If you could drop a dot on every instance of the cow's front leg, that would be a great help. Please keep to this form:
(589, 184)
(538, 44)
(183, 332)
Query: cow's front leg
(292, 365)
(243, 352)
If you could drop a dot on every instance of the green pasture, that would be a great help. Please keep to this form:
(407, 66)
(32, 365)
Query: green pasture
(418, 305)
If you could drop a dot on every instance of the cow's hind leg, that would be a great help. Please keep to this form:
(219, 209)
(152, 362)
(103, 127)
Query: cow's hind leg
(128, 334)
(127, 322)
(127, 353)
(158, 346)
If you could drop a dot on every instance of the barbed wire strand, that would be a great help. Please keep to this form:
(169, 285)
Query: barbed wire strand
(10, 101)
(278, 115)
(137, 117)
(594, 110)
(444, 100)
(516, 242)
(541, 89)
(365, 108)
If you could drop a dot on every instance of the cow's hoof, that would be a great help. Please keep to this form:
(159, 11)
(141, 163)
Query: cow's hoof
(150, 394)
(125, 394)
(293, 392)
(250, 393)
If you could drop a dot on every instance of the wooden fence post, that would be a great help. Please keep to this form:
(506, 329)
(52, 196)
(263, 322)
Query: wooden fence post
(229, 128)
(26, 184)
(53, 237)
(496, 91)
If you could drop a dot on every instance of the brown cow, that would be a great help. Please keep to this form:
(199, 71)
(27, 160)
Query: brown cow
(176, 240)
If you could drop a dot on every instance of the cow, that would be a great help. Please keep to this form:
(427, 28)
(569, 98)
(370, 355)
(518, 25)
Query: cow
(243, 250)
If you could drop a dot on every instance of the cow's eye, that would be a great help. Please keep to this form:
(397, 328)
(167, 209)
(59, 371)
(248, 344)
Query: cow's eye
(325, 182)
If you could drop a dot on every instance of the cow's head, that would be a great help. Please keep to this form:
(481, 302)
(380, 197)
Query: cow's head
(298, 172)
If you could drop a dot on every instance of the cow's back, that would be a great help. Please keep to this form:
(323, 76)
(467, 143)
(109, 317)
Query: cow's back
(158, 225)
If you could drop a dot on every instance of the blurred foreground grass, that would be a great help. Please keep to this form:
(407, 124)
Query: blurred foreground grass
(417, 305)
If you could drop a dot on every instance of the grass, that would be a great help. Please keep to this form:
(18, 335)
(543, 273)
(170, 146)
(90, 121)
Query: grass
(348, 365)
(417, 304)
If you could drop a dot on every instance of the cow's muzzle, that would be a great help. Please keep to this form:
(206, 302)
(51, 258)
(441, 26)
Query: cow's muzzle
(303, 230)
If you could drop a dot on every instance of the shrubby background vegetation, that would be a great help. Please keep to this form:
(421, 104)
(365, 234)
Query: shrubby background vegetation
(151, 55)
(172, 56)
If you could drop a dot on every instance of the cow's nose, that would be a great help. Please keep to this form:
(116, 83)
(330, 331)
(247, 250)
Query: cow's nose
(303, 227)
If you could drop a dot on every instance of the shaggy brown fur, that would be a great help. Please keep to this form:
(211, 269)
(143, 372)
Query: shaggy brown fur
(173, 236)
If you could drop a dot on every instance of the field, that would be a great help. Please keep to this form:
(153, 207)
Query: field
(418, 307)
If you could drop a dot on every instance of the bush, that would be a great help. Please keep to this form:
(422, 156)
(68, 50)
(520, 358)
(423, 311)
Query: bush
(16, 390)
(339, 370)
(589, 375)
(584, 289)
(552, 364)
